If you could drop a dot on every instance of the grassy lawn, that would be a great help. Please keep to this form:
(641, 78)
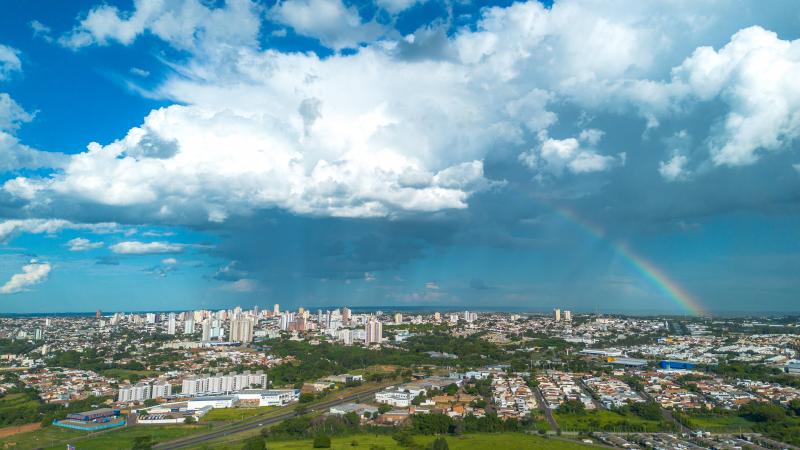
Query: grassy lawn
(608, 421)
(39, 438)
(57, 438)
(234, 414)
(18, 409)
(715, 423)
(125, 374)
(505, 441)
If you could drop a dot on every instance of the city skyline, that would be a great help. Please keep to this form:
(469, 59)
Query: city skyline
(182, 155)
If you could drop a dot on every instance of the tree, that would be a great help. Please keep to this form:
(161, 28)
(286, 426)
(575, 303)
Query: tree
(403, 439)
(762, 412)
(440, 443)
(189, 420)
(794, 405)
(384, 408)
(572, 407)
(322, 441)
(647, 410)
(254, 443)
(351, 419)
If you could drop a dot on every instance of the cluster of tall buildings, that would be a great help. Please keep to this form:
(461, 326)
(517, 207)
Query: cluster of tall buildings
(557, 316)
(142, 391)
(223, 383)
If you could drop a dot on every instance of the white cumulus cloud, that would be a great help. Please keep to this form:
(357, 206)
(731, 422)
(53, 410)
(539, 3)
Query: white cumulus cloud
(674, 169)
(32, 274)
(9, 61)
(145, 248)
(331, 21)
(185, 24)
(576, 155)
(82, 245)
(14, 227)
(756, 75)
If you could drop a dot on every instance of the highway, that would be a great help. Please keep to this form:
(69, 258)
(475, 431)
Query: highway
(260, 422)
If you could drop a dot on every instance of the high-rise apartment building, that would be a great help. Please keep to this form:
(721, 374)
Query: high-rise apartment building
(346, 336)
(144, 391)
(171, 323)
(222, 384)
(373, 332)
(346, 313)
(206, 330)
(557, 315)
(398, 318)
(568, 315)
(241, 330)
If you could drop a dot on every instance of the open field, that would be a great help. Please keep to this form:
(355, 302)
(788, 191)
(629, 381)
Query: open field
(16, 429)
(57, 438)
(718, 424)
(234, 414)
(505, 441)
(41, 437)
(604, 420)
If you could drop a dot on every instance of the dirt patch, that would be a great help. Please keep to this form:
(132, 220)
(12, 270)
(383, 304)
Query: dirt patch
(10, 431)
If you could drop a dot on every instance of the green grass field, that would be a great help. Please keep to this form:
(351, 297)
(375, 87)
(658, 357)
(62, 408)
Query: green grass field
(504, 441)
(608, 421)
(18, 409)
(716, 424)
(234, 414)
(57, 438)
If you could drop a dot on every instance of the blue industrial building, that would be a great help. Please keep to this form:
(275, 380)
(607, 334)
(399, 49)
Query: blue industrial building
(676, 365)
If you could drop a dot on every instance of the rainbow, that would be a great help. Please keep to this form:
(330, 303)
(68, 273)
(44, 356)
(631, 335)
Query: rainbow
(646, 268)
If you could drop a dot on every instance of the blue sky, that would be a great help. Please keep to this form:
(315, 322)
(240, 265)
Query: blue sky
(185, 154)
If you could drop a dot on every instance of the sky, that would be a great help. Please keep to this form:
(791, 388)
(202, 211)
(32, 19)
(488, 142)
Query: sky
(626, 156)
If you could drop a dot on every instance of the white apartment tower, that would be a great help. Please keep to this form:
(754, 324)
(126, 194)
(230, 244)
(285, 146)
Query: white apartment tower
(373, 332)
(206, 330)
(171, 324)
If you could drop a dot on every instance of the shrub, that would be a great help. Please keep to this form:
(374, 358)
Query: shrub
(440, 444)
(322, 441)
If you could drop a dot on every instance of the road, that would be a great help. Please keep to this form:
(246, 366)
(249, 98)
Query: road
(548, 413)
(260, 422)
(666, 413)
